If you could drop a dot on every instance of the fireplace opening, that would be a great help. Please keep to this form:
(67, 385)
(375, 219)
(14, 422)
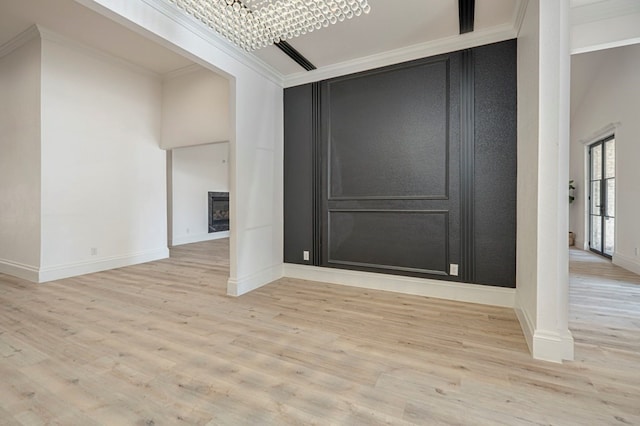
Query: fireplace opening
(218, 211)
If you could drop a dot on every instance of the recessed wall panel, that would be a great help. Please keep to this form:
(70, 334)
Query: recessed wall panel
(415, 241)
(388, 134)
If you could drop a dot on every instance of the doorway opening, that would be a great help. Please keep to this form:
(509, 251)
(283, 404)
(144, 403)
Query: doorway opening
(602, 196)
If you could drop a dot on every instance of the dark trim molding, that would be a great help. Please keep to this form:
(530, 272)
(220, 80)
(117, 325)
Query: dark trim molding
(444, 59)
(316, 129)
(466, 15)
(295, 55)
(377, 266)
(467, 166)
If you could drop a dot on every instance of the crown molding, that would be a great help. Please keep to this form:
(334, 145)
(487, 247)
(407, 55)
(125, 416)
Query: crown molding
(603, 10)
(54, 37)
(20, 40)
(38, 31)
(518, 15)
(210, 36)
(417, 51)
(189, 69)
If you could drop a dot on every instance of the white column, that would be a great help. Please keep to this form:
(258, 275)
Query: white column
(552, 339)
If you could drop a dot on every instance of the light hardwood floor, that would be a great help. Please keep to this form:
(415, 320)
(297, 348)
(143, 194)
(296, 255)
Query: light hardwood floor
(160, 343)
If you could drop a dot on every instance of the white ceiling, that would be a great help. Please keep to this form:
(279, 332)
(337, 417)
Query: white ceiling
(74, 21)
(391, 26)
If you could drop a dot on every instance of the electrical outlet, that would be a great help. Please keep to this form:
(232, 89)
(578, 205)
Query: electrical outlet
(188, 230)
(94, 251)
(636, 251)
(453, 269)
(305, 255)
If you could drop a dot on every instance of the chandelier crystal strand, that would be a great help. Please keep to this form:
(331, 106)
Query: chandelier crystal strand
(253, 24)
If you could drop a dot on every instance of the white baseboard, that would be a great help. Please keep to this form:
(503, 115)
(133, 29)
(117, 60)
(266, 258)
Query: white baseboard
(626, 262)
(189, 239)
(240, 286)
(81, 268)
(528, 328)
(552, 346)
(473, 293)
(545, 345)
(580, 245)
(20, 270)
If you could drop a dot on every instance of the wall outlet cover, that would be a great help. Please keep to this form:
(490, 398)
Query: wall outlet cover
(453, 269)
(305, 255)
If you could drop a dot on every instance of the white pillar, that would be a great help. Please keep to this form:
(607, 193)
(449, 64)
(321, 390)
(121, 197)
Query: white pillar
(552, 339)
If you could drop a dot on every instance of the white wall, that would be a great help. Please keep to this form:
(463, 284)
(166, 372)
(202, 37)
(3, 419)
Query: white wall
(256, 137)
(613, 98)
(103, 173)
(20, 161)
(195, 108)
(196, 171)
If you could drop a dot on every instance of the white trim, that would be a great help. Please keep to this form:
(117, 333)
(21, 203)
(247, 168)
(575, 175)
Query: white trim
(20, 40)
(603, 133)
(603, 46)
(184, 71)
(519, 14)
(196, 238)
(404, 54)
(20, 270)
(240, 286)
(626, 262)
(527, 326)
(608, 130)
(602, 10)
(80, 268)
(472, 293)
(552, 346)
(545, 345)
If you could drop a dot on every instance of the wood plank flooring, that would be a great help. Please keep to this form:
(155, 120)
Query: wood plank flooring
(161, 344)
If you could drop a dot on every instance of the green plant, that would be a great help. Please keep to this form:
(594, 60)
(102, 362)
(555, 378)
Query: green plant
(571, 189)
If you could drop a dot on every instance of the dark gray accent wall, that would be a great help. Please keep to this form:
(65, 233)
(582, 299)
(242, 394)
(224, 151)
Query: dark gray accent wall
(407, 169)
(495, 102)
(299, 161)
(391, 169)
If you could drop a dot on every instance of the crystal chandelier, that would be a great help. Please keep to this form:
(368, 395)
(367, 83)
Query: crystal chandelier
(253, 24)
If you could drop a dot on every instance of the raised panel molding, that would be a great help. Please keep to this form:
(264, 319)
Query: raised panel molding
(388, 242)
(467, 166)
(376, 120)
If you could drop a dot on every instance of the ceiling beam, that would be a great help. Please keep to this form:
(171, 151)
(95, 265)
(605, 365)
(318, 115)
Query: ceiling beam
(295, 55)
(466, 14)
